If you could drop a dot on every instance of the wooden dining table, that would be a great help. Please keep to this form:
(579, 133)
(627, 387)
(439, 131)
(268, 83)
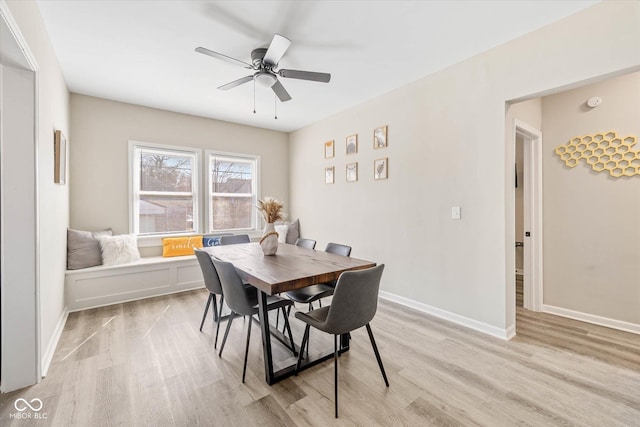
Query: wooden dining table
(292, 267)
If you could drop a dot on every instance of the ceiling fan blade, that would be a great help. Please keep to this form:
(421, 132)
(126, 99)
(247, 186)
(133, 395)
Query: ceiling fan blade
(218, 55)
(280, 91)
(305, 75)
(236, 83)
(277, 48)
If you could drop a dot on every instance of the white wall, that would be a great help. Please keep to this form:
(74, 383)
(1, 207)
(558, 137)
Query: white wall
(591, 226)
(447, 147)
(99, 158)
(53, 199)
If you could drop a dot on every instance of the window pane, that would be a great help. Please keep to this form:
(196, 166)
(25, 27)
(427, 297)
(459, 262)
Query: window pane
(230, 176)
(231, 212)
(164, 172)
(165, 214)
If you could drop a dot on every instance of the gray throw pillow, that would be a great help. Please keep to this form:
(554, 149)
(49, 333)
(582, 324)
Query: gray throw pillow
(83, 248)
(294, 232)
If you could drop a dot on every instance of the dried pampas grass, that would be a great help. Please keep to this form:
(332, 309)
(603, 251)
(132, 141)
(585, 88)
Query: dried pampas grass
(271, 210)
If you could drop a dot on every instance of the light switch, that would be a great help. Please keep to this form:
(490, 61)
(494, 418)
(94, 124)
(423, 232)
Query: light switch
(455, 212)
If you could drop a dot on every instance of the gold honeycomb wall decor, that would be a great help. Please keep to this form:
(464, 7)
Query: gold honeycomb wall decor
(604, 151)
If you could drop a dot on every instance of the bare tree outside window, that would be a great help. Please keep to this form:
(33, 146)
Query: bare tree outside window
(165, 191)
(232, 199)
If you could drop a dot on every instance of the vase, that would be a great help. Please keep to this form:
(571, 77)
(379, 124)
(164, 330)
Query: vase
(269, 240)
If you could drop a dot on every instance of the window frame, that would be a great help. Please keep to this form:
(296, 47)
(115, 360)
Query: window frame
(208, 195)
(136, 147)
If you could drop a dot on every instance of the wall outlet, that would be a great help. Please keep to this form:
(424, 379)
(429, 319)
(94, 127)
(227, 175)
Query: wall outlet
(455, 212)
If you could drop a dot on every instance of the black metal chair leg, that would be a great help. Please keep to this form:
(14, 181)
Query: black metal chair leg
(335, 363)
(215, 344)
(206, 309)
(226, 332)
(288, 328)
(301, 354)
(375, 350)
(246, 351)
(215, 308)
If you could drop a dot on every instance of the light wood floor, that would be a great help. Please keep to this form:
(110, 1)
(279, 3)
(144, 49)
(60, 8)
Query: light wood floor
(146, 364)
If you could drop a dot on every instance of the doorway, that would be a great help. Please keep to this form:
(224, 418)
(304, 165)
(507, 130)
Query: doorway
(19, 291)
(528, 207)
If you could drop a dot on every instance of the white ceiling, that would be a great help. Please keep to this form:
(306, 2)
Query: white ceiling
(142, 52)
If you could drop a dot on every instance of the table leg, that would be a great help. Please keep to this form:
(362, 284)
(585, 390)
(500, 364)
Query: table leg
(266, 337)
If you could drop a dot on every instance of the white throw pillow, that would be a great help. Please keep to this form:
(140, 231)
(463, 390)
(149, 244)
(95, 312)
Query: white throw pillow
(119, 249)
(282, 230)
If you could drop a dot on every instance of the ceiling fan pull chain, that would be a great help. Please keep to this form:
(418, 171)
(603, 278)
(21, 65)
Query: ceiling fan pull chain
(254, 96)
(275, 106)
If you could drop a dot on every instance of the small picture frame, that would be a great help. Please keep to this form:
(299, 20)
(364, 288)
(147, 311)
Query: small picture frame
(352, 144)
(329, 175)
(60, 158)
(381, 169)
(329, 151)
(380, 137)
(352, 172)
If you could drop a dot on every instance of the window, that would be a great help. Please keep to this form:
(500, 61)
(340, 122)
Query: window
(167, 195)
(232, 192)
(165, 189)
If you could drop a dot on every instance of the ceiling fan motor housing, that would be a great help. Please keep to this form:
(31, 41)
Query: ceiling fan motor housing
(256, 57)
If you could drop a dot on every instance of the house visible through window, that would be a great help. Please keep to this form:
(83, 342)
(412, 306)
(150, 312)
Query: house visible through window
(166, 198)
(232, 192)
(165, 190)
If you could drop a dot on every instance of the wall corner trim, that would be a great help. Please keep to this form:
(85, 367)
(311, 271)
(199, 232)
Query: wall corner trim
(47, 357)
(634, 328)
(503, 334)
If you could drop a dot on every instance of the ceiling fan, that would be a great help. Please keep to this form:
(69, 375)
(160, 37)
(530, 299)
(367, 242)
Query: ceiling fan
(265, 64)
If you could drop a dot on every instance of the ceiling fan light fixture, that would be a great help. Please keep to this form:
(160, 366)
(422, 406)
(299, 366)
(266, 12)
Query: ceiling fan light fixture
(265, 79)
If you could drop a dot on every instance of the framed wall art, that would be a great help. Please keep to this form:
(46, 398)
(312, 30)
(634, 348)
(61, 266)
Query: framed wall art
(352, 172)
(380, 137)
(329, 151)
(329, 174)
(60, 158)
(352, 144)
(381, 168)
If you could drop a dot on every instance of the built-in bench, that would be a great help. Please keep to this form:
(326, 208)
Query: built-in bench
(148, 277)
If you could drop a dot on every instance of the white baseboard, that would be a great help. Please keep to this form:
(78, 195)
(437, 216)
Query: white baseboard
(504, 334)
(511, 332)
(53, 342)
(592, 318)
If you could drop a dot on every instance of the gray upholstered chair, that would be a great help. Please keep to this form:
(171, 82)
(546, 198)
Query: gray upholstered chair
(354, 304)
(234, 239)
(313, 293)
(212, 283)
(244, 304)
(306, 243)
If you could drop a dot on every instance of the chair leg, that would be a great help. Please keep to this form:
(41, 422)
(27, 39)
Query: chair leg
(246, 351)
(288, 328)
(375, 350)
(215, 344)
(301, 354)
(226, 332)
(335, 377)
(215, 308)
(206, 309)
